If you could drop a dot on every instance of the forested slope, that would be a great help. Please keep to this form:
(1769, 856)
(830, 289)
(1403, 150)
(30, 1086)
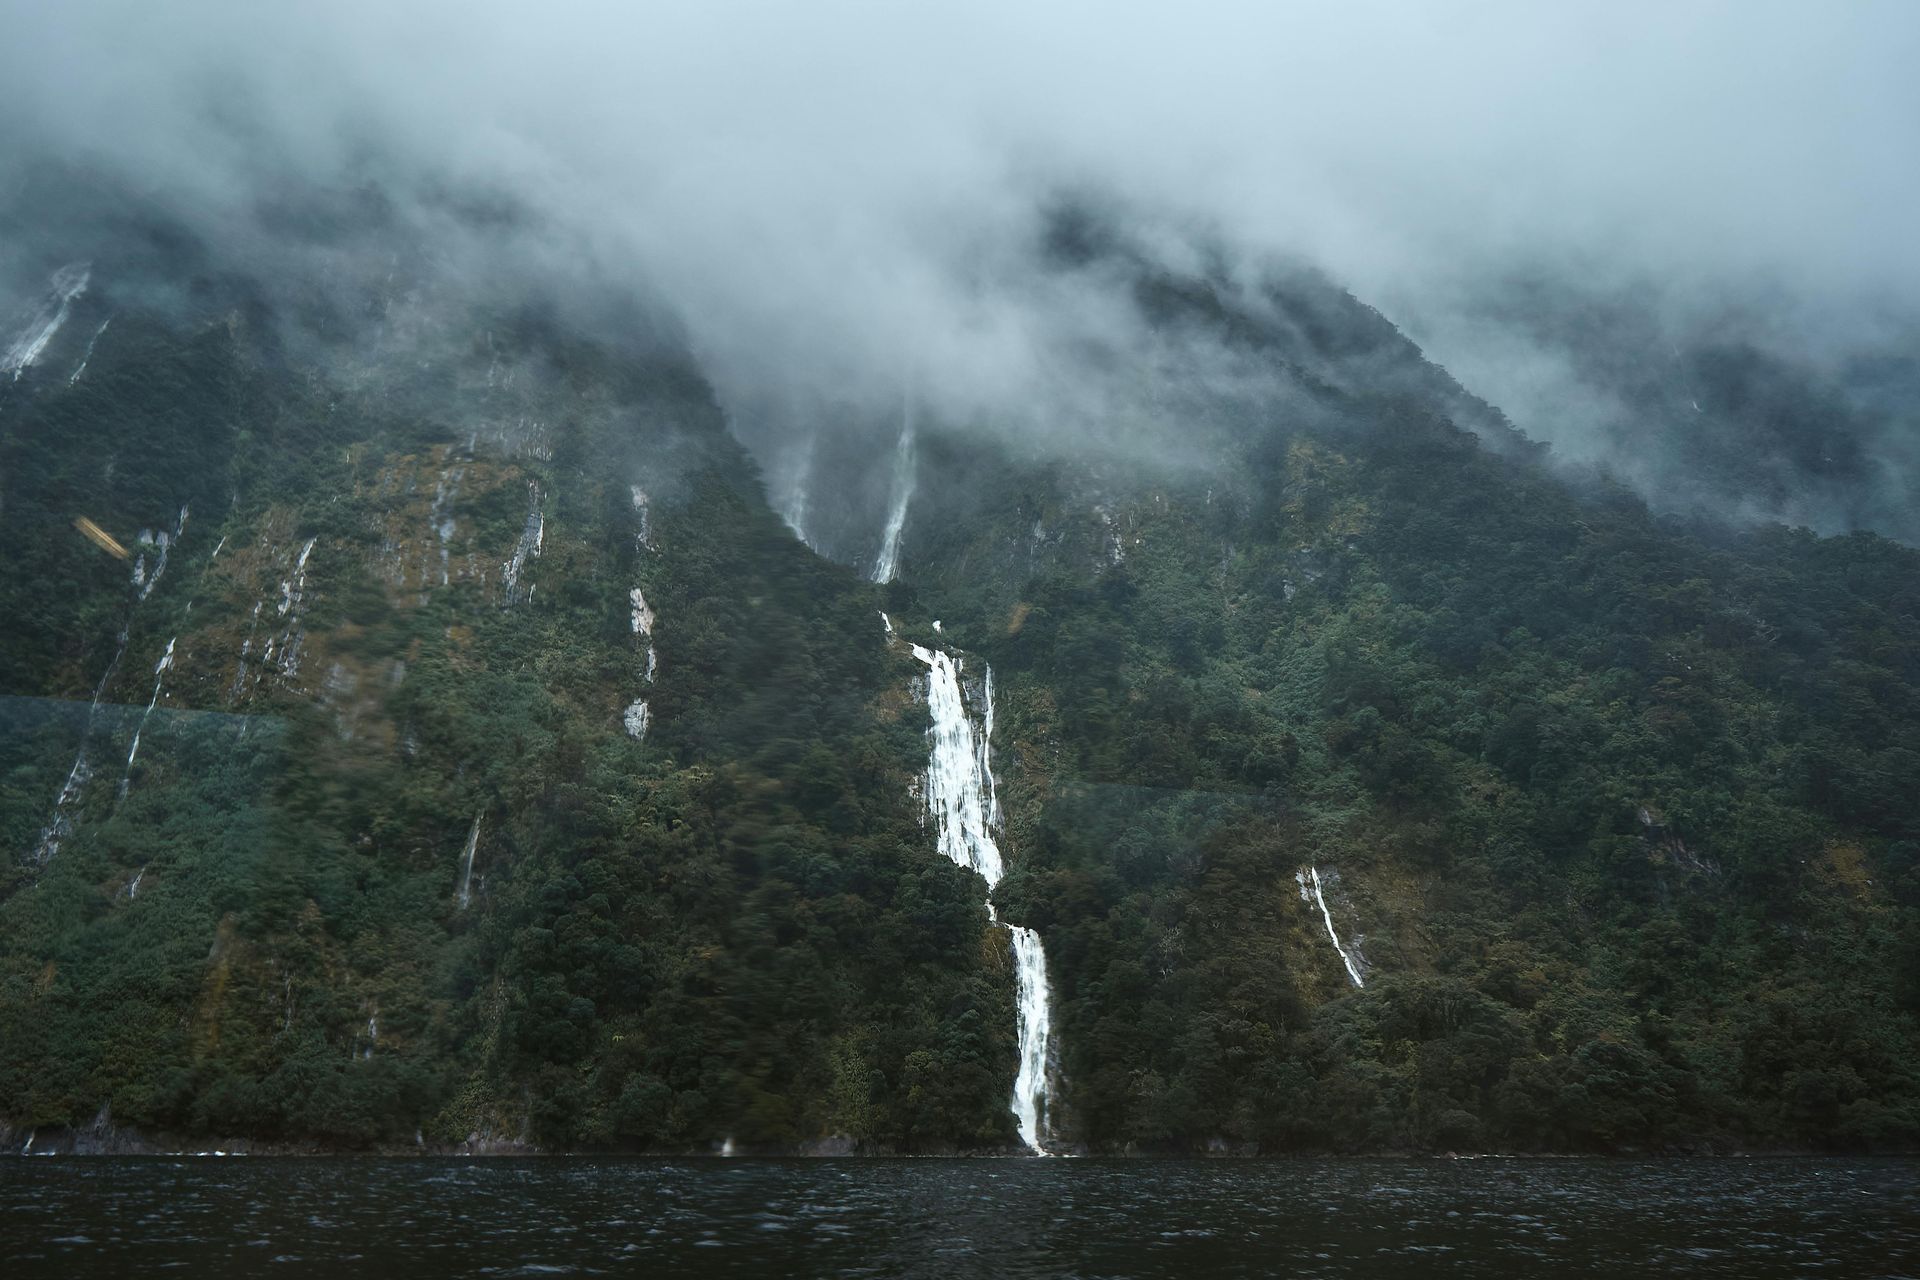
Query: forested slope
(1621, 809)
(507, 771)
(396, 859)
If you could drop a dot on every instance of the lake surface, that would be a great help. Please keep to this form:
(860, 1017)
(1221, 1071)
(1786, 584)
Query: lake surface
(419, 1218)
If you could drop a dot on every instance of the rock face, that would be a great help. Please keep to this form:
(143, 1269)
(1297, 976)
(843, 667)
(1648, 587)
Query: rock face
(423, 733)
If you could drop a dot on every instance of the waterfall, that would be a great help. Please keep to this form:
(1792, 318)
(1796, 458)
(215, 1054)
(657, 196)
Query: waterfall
(446, 490)
(960, 795)
(282, 651)
(466, 864)
(159, 676)
(986, 758)
(294, 588)
(82, 367)
(637, 717)
(68, 283)
(164, 541)
(1030, 1085)
(888, 562)
(533, 538)
(60, 826)
(1311, 891)
(794, 509)
(643, 515)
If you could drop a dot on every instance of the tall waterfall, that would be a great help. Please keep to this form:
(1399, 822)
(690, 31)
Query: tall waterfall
(960, 795)
(888, 561)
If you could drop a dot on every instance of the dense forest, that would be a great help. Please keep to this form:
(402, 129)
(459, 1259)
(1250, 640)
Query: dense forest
(421, 732)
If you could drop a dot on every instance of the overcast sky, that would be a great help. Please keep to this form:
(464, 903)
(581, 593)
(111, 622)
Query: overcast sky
(827, 178)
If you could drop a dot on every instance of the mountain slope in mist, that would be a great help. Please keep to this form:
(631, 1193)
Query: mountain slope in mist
(507, 771)
(1744, 409)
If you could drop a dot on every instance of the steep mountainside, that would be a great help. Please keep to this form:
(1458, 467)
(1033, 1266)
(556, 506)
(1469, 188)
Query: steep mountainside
(420, 728)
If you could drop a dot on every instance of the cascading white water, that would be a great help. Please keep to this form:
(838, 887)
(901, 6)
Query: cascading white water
(888, 562)
(1030, 1092)
(446, 490)
(68, 283)
(164, 543)
(284, 650)
(986, 753)
(160, 670)
(643, 515)
(956, 785)
(1311, 890)
(533, 538)
(960, 795)
(637, 717)
(466, 864)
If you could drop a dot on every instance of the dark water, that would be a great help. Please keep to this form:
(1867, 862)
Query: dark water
(999, 1218)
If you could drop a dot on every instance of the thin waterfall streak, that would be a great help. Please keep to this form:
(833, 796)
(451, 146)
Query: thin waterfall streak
(887, 564)
(466, 860)
(794, 510)
(986, 757)
(159, 677)
(59, 826)
(84, 359)
(1346, 957)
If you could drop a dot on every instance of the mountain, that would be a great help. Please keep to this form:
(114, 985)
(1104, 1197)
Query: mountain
(426, 726)
(1749, 408)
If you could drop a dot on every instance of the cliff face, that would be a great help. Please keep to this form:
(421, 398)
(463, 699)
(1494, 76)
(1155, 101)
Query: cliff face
(420, 727)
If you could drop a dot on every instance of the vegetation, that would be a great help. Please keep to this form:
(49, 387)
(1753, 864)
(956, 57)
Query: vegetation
(1620, 811)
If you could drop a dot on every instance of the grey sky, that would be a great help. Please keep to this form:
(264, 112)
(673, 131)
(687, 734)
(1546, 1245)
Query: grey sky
(829, 184)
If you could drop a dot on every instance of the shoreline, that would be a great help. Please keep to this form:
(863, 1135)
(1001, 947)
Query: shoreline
(23, 1142)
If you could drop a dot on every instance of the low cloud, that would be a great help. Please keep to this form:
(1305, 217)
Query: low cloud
(841, 198)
